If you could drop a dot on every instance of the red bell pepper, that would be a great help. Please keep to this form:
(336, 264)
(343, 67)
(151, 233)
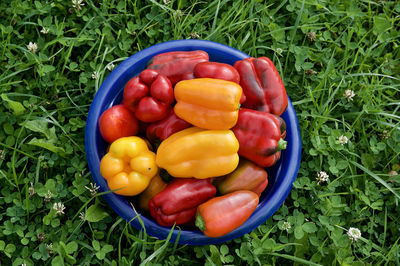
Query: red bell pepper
(178, 65)
(149, 96)
(221, 215)
(260, 136)
(177, 203)
(161, 130)
(262, 85)
(217, 70)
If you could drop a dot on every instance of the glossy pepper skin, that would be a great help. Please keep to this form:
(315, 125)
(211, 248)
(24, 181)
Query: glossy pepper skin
(178, 202)
(262, 85)
(247, 176)
(149, 96)
(128, 166)
(208, 103)
(260, 136)
(177, 65)
(218, 70)
(161, 130)
(221, 215)
(156, 186)
(199, 153)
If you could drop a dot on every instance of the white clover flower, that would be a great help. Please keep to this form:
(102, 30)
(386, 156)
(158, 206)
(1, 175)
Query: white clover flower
(349, 94)
(45, 30)
(31, 190)
(49, 248)
(194, 35)
(95, 75)
(385, 134)
(286, 226)
(32, 47)
(92, 189)
(177, 13)
(322, 177)
(77, 4)
(343, 139)
(48, 196)
(354, 234)
(110, 67)
(82, 216)
(59, 208)
(311, 36)
(41, 237)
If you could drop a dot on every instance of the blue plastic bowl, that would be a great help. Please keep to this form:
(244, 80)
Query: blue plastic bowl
(281, 176)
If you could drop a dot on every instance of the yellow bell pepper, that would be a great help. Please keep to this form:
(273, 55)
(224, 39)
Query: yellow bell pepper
(208, 103)
(128, 166)
(199, 153)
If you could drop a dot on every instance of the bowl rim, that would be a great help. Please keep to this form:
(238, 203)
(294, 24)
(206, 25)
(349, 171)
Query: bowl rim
(126, 211)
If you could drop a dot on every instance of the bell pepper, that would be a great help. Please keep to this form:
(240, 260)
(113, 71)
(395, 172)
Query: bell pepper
(161, 130)
(156, 185)
(218, 70)
(128, 166)
(260, 136)
(262, 85)
(177, 65)
(149, 96)
(247, 176)
(221, 215)
(208, 103)
(178, 202)
(199, 153)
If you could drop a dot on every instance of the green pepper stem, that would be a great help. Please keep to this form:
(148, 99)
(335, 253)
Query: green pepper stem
(200, 222)
(282, 144)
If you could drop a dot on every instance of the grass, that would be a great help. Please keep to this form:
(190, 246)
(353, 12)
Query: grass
(321, 49)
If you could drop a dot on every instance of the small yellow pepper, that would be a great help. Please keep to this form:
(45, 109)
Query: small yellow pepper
(208, 103)
(156, 185)
(128, 166)
(199, 153)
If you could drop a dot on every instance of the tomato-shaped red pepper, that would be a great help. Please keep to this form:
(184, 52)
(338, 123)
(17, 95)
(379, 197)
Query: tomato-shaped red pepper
(117, 122)
(221, 215)
(149, 96)
(262, 85)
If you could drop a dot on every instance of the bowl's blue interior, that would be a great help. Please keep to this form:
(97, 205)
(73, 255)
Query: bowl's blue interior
(281, 176)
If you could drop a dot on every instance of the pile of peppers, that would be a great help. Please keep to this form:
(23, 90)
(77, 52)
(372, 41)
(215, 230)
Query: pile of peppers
(206, 133)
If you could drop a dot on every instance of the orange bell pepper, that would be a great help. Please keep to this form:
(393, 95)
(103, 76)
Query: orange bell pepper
(208, 103)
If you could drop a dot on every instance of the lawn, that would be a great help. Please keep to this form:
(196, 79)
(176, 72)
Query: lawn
(340, 63)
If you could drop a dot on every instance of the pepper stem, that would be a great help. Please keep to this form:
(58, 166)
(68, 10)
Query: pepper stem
(282, 144)
(200, 222)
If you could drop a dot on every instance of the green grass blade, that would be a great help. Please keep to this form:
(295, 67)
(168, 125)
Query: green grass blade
(377, 178)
